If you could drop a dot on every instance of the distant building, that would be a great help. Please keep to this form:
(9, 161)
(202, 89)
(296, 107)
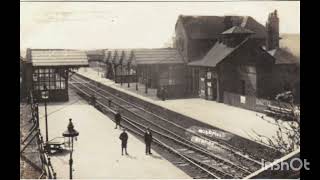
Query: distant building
(155, 68)
(196, 35)
(95, 55)
(229, 59)
(232, 69)
(242, 71)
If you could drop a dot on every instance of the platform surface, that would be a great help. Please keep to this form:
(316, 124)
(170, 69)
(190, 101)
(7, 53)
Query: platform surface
(242, 122)
(97, 151)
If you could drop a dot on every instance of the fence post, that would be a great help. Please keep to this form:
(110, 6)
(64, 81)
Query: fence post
(49, 165)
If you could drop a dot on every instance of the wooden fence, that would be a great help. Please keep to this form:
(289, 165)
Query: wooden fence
(46, 166)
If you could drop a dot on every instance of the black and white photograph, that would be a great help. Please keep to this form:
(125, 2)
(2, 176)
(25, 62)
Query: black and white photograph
(160, 90)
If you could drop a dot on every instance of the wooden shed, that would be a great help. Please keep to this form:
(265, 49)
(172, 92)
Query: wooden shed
(161, 68)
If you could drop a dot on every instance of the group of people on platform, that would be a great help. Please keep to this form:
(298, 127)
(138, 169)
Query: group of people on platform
(124, 136)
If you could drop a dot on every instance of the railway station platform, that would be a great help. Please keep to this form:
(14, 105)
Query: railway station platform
(244, 123)
(97, 151)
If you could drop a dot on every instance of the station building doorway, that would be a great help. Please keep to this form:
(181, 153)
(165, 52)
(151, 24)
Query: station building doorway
(208, 86)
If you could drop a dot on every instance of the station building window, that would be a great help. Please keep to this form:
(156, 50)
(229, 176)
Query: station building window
(52, 78)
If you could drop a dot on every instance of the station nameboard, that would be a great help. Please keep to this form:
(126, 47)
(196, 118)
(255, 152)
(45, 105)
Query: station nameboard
(212, 133)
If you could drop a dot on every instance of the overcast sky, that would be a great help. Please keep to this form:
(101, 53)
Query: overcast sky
(83, 25)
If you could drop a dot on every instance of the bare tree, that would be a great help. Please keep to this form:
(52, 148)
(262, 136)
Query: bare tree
(170, 43)
(286, 117)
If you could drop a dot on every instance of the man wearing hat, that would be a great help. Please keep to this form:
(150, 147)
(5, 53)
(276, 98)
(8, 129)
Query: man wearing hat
(117, 118)
(124, 139)
(148, 140)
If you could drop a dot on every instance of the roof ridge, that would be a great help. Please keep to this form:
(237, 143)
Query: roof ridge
(215, 47)
(233, 29)
(45, 49)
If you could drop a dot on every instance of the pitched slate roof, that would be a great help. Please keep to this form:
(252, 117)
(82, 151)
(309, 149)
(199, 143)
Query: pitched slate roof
(237, 30)
(156, 56)
(220, 51)
(283, 56)
(251, 24)
(210, 27)
(216, 54)
(57, 57)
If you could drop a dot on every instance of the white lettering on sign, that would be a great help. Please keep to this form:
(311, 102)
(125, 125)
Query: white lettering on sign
(209, 144)
(211, 133)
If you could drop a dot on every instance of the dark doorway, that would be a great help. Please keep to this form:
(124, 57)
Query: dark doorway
(212, 89)
(149, 81)
(243, 87)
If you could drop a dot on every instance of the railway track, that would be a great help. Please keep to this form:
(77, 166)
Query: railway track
(220, 147)
(242, 153)
(190, 166)
(224, 163)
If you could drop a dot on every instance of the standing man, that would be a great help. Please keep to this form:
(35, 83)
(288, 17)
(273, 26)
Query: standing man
(117, 118)
(124, 139)
(148, 140)
(161, 93)
(164, 94)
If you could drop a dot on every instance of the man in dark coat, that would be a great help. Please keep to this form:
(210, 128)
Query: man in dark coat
(124, 139)
(117, 118)
(148, 140)
(164, 93)
(161, 95)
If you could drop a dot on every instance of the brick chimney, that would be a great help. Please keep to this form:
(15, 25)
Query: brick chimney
(272, 27)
